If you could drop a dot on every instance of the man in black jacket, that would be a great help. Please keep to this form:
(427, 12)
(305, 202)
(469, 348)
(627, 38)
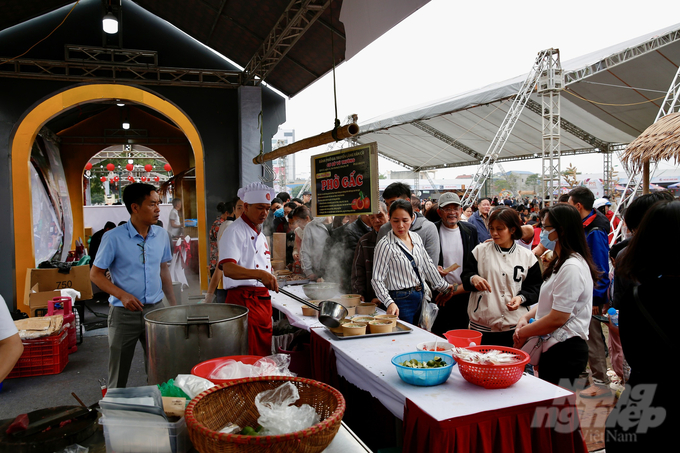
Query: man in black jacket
(457, 240)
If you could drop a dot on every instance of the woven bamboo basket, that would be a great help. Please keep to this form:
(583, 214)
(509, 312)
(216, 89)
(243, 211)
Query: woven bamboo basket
(234, 402)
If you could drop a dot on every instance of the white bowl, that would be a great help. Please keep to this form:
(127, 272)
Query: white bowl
(429, 346)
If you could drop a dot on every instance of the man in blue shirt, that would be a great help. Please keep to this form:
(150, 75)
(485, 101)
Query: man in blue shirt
(596, 228)
(479, 219)
(137, 255)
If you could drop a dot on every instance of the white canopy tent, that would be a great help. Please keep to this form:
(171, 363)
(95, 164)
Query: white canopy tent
(610, 97)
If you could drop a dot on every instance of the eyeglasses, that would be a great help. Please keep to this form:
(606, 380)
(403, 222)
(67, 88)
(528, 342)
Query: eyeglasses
(142, 257)
(450, 208)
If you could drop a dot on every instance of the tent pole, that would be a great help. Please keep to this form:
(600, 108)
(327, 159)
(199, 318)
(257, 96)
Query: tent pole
(645, 177)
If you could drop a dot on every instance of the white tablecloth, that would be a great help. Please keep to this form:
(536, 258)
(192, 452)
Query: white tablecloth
(366, 363)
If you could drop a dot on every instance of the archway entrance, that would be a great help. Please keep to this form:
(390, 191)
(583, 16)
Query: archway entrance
(26, 133)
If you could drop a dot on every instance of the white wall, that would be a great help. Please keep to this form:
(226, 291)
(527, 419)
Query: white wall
(97, 216)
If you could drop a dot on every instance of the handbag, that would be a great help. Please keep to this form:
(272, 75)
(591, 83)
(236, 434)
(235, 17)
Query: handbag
(535, 346)
(428, 310)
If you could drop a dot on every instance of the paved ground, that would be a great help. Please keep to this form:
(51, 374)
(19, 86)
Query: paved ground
(85, 367)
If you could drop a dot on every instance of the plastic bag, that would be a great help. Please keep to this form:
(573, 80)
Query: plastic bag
(277, 413)
(273, 365)
(171, 389)
(192, 385)
(428, 314)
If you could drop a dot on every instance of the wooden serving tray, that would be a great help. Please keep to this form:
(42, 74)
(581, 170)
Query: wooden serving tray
(397, 330)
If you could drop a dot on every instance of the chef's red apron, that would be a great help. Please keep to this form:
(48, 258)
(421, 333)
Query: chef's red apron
(259, 304)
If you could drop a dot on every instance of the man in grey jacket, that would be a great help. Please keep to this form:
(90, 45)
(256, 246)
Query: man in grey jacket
(313, 242)
(425, 229)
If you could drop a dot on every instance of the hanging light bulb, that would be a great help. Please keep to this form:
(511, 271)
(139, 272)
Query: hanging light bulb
(110, 24)
(126, 125)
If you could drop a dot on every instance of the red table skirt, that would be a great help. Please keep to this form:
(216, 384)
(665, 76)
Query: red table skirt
(507, 430)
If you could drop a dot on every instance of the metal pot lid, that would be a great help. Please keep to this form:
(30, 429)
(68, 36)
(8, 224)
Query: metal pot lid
(180, 315)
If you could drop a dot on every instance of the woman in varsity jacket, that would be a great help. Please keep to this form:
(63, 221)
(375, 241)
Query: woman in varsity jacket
(504, 280)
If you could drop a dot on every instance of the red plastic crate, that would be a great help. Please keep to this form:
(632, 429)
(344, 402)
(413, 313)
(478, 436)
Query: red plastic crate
(46, 355)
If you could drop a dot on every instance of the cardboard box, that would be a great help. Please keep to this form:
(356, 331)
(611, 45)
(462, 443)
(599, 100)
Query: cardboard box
(42, 283)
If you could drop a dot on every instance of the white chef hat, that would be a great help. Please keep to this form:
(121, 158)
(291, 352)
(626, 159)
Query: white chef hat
(255, 193)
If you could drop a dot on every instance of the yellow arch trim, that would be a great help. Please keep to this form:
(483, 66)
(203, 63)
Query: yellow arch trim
(21, 152)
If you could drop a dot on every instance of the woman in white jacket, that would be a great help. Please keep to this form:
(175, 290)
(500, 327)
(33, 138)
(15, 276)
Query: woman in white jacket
(503, 279)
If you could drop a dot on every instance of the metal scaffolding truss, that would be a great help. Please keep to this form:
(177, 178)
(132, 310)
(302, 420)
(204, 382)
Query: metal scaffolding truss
(623, 56)
(550, 83)
(670, 102)
(88, 64)
(293, 23)
(608, 168)
(447, 139)
(668, 106)
(573, 129)
(543, 60)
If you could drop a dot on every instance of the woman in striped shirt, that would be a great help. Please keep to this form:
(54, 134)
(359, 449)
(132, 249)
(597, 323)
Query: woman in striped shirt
(400, 266)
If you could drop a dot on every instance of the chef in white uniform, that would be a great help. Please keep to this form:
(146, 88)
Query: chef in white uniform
(245, 260)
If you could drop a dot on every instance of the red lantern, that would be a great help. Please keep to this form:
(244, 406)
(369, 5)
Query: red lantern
(103, 179)
(110, 179)
(156, 178)
(110, 167)
(167, 167)
(148, 167)
(116, 178)
(88, 166)
(131, 179)
(129, 167)
(143, 178)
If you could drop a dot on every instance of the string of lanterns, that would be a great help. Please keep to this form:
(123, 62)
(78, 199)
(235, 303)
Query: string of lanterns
(112, 177)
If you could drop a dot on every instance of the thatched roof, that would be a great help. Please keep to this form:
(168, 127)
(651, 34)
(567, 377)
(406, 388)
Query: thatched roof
(661, 141)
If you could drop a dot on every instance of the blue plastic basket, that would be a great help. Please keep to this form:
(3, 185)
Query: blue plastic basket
(423, 377)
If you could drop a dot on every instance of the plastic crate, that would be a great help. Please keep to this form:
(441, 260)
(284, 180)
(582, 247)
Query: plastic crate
(126, 436)
(41, 356)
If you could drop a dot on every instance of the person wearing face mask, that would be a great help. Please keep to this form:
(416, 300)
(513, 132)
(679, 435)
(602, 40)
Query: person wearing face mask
(565, 301)
(268, 225)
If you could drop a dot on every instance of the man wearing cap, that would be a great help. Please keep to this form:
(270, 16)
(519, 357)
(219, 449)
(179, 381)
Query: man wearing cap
(307, 198)
(457, 239)
(246, 264)
(605, 207)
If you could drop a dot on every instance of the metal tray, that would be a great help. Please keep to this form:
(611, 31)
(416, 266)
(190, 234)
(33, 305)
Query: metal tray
(397, 330)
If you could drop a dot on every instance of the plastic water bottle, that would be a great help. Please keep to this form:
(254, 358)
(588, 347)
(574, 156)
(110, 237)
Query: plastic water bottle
(544, 337)
(613, 316)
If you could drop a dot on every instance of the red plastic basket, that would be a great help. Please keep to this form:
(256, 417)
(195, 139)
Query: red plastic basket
(493, 376)
(41, 356)
(205, 369)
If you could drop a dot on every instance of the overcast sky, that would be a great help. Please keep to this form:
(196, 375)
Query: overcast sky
(449, 47)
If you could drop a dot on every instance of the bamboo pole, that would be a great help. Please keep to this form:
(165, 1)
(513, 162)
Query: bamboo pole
(645, 177)
(347, 131)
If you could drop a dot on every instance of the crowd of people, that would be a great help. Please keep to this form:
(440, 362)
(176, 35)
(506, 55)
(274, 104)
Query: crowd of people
(523, 275)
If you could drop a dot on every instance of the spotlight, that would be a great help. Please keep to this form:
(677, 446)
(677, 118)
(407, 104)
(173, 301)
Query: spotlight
(110, 24)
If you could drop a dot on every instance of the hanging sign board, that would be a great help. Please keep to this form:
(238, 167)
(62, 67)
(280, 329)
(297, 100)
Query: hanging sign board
(345, 182)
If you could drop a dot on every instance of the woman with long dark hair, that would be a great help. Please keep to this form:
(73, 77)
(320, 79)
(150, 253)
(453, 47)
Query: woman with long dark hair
(401, 266)
(566, 298)
(645, 321)
(503, 279)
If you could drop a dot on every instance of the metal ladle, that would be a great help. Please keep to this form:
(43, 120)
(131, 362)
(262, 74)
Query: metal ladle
(330, 313)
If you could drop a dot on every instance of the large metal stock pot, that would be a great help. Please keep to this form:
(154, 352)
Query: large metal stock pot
(179, 337)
